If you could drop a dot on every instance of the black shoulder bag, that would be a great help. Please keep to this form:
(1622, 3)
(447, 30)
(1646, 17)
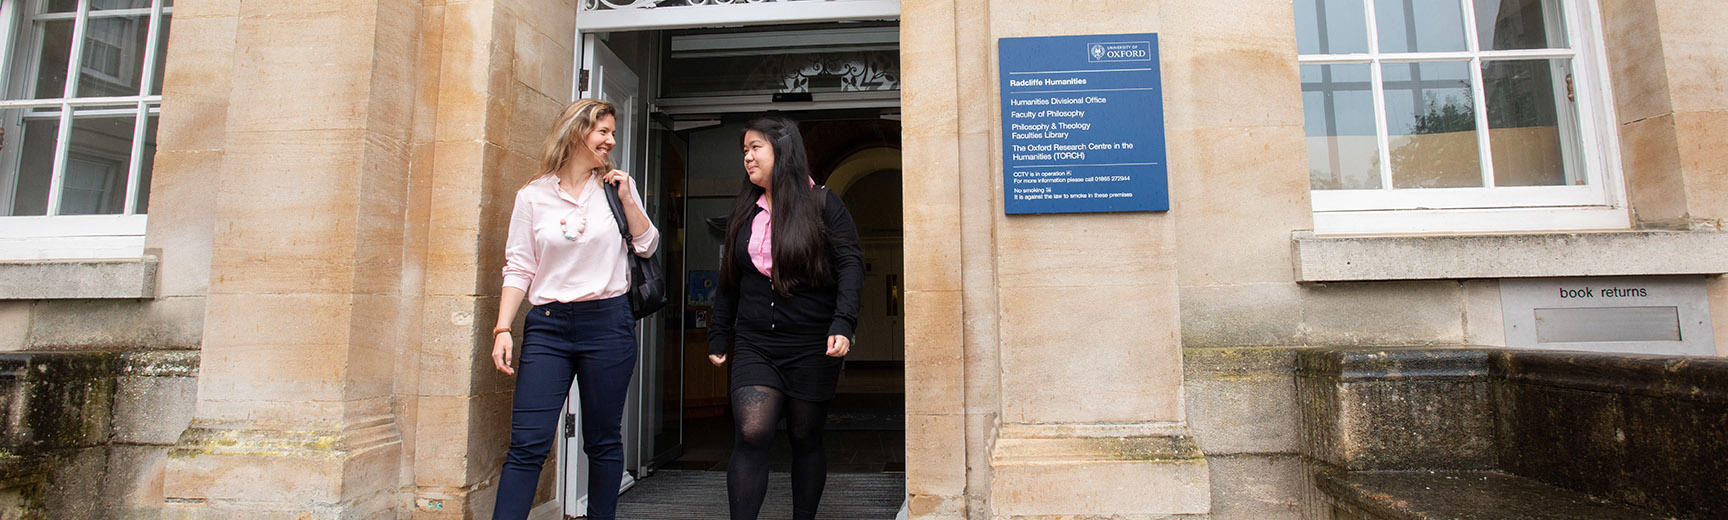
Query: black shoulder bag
(647, 281)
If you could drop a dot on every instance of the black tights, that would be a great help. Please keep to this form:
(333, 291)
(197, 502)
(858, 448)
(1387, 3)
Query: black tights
(755, 411)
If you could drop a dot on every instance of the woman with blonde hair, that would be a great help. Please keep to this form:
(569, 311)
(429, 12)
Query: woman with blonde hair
(565, 255)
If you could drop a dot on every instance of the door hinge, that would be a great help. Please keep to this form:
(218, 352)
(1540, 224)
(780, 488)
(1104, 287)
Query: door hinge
(582, 81)
(570, 426)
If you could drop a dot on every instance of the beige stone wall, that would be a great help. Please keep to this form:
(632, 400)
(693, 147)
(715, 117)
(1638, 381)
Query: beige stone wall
(1236, 210)
(1665, 59)
(1669, 67)
(181, 224)
(333, 180)
(503, 69)
(307, 307)
(944, 429)
(1022, 345)
(155, 388)
(985, 304)
(355, 162)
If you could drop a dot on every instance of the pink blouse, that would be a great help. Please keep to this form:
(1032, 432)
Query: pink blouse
(540, 261)
(761, 242)
(761, 247)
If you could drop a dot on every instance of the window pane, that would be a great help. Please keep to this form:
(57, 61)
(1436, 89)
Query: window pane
(35, 166)
(147, 164)
(97, 161)
(1524, 131)
(51, 61)
(1516, 24)
(62, 6)
(1331, 27)
(1419, 25)
(161, 55)
(1338, 109)
(99, 5)
(113, 56)
(1431, 122)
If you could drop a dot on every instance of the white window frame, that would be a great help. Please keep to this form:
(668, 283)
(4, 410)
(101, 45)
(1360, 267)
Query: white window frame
(1597, 205)
(71, 236)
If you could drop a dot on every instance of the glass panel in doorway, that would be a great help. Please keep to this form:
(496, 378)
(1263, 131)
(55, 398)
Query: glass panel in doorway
(855, 59)
(664, 359)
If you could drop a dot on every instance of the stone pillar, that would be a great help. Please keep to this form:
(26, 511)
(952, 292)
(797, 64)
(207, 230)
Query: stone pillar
(1666, 62)
(1666, 65)
(296, 410)
(1091, 357)
(940, 456)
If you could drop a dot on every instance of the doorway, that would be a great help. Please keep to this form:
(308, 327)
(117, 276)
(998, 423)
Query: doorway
(856, 154)
(689, 93)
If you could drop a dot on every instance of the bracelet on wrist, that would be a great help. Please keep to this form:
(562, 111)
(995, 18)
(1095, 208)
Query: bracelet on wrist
(497, 330)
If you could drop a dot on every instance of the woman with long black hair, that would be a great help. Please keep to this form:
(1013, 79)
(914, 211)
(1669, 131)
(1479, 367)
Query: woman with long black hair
(790, 275)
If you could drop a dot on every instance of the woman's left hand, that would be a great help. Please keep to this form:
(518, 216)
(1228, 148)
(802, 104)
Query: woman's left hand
(838, 345)
(620, 180)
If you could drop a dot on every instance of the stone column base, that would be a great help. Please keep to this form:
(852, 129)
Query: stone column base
(1152, 471)
(225, 470)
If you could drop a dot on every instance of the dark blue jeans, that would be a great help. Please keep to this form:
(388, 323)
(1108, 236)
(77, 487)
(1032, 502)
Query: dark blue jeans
(594, 341)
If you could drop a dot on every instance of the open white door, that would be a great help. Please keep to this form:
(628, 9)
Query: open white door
(609, 79)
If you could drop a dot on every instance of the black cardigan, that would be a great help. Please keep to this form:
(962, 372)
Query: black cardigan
(752, 304)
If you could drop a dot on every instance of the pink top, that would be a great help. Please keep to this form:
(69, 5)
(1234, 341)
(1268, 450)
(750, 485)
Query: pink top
(761, 243)
(761, 237)
(540, 261)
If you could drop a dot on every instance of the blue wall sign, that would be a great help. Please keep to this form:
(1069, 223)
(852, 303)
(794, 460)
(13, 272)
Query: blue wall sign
(1082, 124)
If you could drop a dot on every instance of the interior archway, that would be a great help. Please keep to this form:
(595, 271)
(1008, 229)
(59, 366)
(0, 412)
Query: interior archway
(860, 164)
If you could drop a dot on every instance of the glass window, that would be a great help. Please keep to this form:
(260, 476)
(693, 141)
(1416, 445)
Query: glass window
(1331, 27)
(98, 159)
(1524, 123)
(35, 164)
(1419, 25)
(1431, 125)
(1446, 104)
(83, 75)
(1516, 24)
(1343, 151)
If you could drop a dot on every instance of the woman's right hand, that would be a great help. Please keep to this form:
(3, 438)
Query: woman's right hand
(717, 359)
(502, 346)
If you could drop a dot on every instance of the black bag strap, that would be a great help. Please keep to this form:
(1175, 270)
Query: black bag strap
(618, 214)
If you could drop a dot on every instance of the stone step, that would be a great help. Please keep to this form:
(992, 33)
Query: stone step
(1462, 495)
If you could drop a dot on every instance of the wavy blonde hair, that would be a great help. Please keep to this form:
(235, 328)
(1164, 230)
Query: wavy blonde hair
(574, 124)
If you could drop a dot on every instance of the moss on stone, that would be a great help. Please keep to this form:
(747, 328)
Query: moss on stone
(1147, 448)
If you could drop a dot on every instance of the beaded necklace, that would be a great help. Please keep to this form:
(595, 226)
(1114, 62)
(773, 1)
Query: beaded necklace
(581, 225)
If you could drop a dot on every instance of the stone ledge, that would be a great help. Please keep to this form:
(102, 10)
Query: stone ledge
(1461, 495)
(1386, 364)
(1086, 470)
(1531, 255)
(1673, 378)
(100, 278)
(1238, 361)
(160, 363)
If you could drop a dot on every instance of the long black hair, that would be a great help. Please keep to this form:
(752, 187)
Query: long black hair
(799, 237)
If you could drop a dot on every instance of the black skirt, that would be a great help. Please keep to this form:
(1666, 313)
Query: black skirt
(797, 365)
